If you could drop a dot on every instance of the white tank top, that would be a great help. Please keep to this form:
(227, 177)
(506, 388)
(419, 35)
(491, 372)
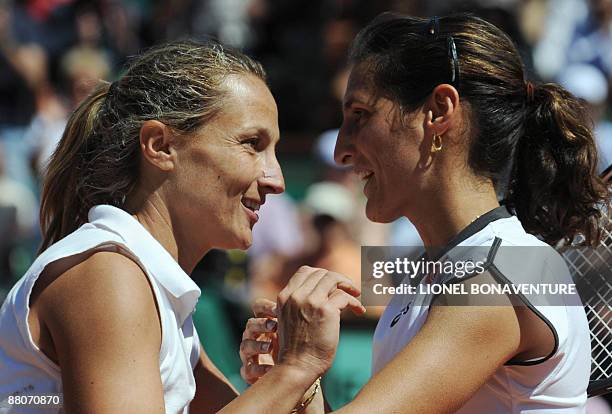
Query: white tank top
(555, 384)
(25, 370)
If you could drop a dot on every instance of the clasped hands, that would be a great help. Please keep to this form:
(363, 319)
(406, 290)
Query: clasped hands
(302, 328)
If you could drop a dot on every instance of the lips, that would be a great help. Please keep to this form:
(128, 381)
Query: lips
(364, 175)
(251, 206)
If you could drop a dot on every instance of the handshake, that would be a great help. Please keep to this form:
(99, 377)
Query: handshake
(301, 330)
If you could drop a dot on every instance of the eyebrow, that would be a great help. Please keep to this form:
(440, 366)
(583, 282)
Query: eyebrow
(356, 98)
(264, 132)
(349, 102)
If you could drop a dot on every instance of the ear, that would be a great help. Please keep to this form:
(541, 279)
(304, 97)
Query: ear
(156, 144)
(443, 109)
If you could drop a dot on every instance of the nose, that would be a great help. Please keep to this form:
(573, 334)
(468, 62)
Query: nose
(343, 152)
(272, 181)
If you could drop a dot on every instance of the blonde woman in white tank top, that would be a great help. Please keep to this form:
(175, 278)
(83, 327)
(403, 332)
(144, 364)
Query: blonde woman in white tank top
(437, 114)
(169, 161)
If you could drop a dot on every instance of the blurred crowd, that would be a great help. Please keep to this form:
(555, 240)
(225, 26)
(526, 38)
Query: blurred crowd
(52, 52)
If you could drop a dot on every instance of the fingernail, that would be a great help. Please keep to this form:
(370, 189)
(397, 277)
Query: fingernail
(270, 325)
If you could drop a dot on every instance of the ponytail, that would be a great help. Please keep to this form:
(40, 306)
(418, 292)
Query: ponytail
(554, 188)
(62, 210)
(540, 133)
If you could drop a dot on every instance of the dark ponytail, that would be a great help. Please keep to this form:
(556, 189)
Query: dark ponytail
(554, 187)
(540, 135)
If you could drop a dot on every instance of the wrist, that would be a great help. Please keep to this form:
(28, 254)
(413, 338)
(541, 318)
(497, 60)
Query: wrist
(298, 373)
(303, 362)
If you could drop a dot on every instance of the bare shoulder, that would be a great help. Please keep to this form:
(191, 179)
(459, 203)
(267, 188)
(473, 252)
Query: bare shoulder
(107, 288)
(100, 312)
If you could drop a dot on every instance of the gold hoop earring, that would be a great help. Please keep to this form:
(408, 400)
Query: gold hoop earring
(436, 143)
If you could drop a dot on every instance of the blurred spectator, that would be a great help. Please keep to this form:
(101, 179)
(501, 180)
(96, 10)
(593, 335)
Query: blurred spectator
(88, 60)
(589, 83)
(328, 208)
(303, 44)
(18, 220)
(575, 31)
(323, 149)
(364, 231)
(278, 230)
(46, 129)
(592, 38)
(226, 20)
(15, 194)
(82, 67)
(550, 53)
(277, 236)
(120, 27)
(331, 206)
(18, 76)
(8, 225)
(47, 23)
(48, 121)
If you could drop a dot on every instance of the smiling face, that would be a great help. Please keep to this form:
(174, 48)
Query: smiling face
(226, 169)
(384, 152)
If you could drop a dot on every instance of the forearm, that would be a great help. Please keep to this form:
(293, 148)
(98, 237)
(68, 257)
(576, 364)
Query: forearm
(279, 391)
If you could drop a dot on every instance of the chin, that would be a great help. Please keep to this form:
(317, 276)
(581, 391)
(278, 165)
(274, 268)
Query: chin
(245, 244)
(379, 215)
(241, 240)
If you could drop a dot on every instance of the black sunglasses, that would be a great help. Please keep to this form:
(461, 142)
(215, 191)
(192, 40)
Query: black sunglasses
(433, 31)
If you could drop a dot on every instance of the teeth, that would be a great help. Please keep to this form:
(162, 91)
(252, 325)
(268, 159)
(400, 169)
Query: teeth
(250, 204)
(363, 174)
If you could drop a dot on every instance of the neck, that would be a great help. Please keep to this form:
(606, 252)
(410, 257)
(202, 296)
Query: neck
(447, 211)
(154, 216)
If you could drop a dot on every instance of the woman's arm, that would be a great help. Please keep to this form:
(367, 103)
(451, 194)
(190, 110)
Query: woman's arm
(456, 351)
(308, 328)
(102, 318)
